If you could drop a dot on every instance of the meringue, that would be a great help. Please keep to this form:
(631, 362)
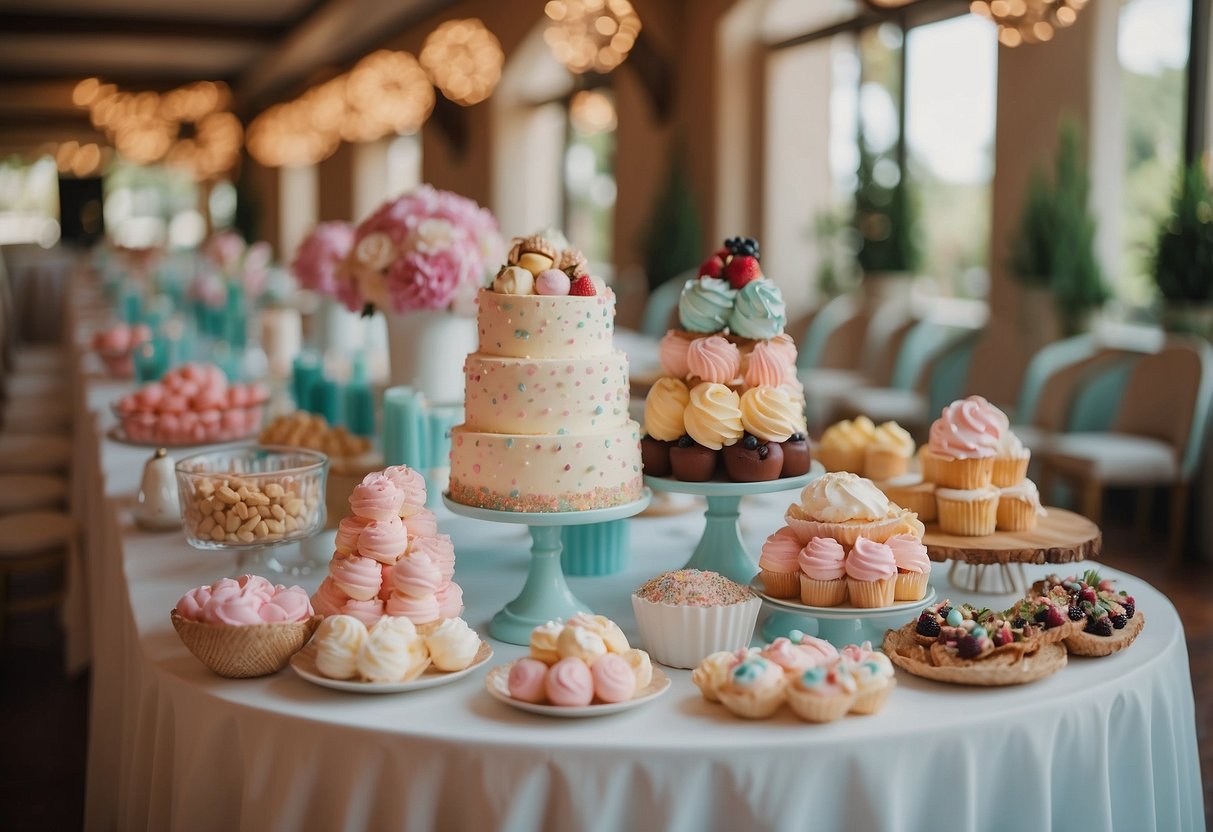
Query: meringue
(580, 643)
(339, 638)
(391, 655)
(453, 646)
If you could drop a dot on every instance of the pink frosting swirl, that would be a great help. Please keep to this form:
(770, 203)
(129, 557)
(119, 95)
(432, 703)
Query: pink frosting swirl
(788, 655)
(358, 577)
(386, 587)
(383, 540)
(329, 599)
(968, 429)
(672, 353)
(288, 604)
(714, 359)
(526, 680)
(614, 679)
(818, 649)
(418, 610)
(376, 498)
(192, 603)
(231, 605)
(766, 366)
(368, 612)
(416, 575)
(441, 551)
(410, 484)
(780, 552)
(569, 683)
(908, 553)
(870, 561)
(856, 653)
(257, 585)
(823, 559)
(422, 524)
(450, 600)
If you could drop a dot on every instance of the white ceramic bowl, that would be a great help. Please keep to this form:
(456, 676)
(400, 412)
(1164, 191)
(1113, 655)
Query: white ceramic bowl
(681, 635)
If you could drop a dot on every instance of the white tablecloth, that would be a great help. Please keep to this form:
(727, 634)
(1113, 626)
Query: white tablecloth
(1105, 744)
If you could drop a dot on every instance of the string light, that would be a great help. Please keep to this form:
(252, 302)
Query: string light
(1028, 21)
(463, 59)
(590, 35)
(392, 91)
(592, 112)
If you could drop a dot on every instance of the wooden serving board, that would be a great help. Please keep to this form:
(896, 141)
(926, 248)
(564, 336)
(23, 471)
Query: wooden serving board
(1059, 537)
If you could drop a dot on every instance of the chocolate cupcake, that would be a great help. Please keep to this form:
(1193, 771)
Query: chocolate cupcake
(796, 456)
(655, 455)
(692, 462)
(752, 460)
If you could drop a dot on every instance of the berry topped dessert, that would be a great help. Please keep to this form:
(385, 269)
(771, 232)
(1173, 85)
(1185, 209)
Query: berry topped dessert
(1111, 621)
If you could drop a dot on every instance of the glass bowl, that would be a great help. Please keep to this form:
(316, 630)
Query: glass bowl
(251, 496)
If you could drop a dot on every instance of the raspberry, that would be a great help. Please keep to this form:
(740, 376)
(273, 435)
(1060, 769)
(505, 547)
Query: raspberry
(968, 648)
(928, 626)
(741, 270)
(1100, 627)
(583, 287)
(1054, 617)
(1075, 613)
(1119, 621)
(713, 266)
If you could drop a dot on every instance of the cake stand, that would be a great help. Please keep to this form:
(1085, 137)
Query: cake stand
(546, 595)
(839, 625)
(720, 549)
(1059, 537)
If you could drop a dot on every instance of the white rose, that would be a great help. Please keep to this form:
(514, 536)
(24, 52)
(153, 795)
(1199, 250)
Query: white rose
(431, 235)
(375, 251)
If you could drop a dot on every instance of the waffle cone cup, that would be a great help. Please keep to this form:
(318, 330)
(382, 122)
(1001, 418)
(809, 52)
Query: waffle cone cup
(910, 586)
(870, 702)
(242, 652)
(841, 459)
(846, 533)
(882, 465)
(817, 593)
(1015, 515)
(1009, 470)
(968, 518)
(750, 706)
(812, 707)
(781, 584)
(963, 474)
(872, 594)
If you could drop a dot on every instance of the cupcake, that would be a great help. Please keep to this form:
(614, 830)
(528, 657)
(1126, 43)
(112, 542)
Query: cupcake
(873, 674)
(913, 493)
(871, 574)
(688, 614)
(969, 512)
(913, 567)
(753, 460)
(1010, 460)
(823, 575)
(711, 673)
(1019, 507)
(822, 694)
(844, 444)
(663, 409)
(755, 688)
(963, 443)
(779, 564)
(888, 453)
(790, 656)
(843, 506)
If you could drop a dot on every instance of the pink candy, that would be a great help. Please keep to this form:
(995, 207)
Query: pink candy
(248, 600)
(526, 682)
(569, 683)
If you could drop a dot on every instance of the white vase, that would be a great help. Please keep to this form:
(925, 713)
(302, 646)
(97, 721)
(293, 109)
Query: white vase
(427, 350)
(338, 330)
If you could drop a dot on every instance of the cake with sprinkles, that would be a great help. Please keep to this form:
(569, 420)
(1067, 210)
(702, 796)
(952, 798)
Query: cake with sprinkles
(546, 424)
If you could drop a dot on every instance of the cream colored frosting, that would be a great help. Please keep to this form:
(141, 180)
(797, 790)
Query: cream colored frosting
(892, 438)
(713, 416)
(453, 645)
(713, 672)
(641, 665)
(664, 408)
(770, 414)
(543, 641)
(841, 496)
(580, 643)
(1009, 445)
(1027, 492)
(968, 495)
(390, 654)
(610, 633)
(339, 639)
(849, 434)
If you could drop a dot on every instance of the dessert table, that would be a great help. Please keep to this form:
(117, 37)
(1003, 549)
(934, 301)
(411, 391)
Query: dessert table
(1111, 741)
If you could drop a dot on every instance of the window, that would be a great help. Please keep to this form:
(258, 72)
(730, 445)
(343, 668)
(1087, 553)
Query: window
(29, 201)
(589, 174)
(152, 206)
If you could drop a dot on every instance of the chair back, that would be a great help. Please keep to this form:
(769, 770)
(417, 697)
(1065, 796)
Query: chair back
(663, 300)
(1050, 359)
(943, 374)
(887, 331)
(1167, 398)
(821, 329)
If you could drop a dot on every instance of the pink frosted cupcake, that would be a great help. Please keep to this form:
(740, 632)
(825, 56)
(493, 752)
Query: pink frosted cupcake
(871, 574)
(755, 688)
(963, 443)
(780, 564)
(823, 575)
(789, 655)
(913, 567)
(823, 693)
(846, 507)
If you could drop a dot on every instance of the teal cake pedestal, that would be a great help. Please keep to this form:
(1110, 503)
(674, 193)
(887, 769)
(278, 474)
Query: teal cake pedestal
(545, 595)
(841, 625)
(721, 548)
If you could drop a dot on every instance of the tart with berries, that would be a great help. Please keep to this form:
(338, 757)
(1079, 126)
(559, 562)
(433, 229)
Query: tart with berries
(1111, 620)
(1052, 613)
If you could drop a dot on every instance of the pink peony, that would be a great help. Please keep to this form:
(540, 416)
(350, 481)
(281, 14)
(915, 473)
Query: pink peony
(321, 254)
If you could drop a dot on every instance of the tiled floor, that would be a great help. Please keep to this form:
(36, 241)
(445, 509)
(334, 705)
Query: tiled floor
(43, 718)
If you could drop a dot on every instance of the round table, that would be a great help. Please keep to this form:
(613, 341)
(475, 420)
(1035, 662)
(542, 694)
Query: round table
(174, 747)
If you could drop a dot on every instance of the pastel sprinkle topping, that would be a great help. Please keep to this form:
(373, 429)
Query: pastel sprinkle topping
(694, 588)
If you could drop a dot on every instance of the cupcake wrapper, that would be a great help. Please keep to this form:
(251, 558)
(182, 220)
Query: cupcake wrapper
(844, 533)
(781, 584)
(750, 706)
(911, 586)
(968, 518)
(919, 501)
(822, 593)
(882, 465)
(1015, 515)
(1009, 470)
(965, 474)
(841, 459)
(870, 702)
(812, 707)
(927, 461)
(872, 594)
(242, 652)
(681, 636)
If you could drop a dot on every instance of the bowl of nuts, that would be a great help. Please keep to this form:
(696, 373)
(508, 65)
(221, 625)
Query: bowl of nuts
(251, 497)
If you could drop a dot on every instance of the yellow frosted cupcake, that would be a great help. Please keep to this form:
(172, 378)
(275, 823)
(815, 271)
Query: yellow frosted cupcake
(844, 444)
(1011, 461)
(963, 443)
(823, 574)
(843, 506)
(755, 688)
(822, 694)
(888, 453)
(779, 564)
(913, 493)
(970, 512)
(1019, 507)
(873, 675)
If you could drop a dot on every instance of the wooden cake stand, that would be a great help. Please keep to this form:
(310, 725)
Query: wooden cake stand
(1059, 537)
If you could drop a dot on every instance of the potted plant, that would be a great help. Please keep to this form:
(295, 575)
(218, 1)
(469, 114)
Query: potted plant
(884, 224)
(1054, 246)
(1183, 256)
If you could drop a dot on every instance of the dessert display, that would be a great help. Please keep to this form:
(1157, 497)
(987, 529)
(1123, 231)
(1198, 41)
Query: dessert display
(389, 651)
(244, 627)
(191, 404)
(251, 496)
(819, 683)
(730, 404)
(878, 452)
(546, 407)
(1111, 619)
(389, 558)
(913, 493)
(309, 430)
(688, 614)
(116, 345)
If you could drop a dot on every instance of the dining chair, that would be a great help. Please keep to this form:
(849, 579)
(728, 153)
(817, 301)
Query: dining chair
(662, 302)
(34, 453)
(31, 492)
(36, 542)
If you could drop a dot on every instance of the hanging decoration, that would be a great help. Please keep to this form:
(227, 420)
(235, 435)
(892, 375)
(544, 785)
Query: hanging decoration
(1028, 21)
(463, 59)
(591, 35)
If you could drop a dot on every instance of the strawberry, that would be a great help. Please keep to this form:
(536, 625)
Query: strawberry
(712, 267)
(741, 270)
(582, 287)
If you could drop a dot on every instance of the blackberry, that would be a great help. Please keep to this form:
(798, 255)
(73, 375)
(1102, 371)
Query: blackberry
(928, 626)
(944, 610)
(1119, 621)
(685, 441)
(750, 442)
(1019, 623)
(1041, 615)
(1100, 627)
(1130, 606)
(1075, 613)
(968, 647)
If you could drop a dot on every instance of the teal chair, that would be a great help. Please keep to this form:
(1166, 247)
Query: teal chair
(661, 304)
(1047, 361)
(826, 324)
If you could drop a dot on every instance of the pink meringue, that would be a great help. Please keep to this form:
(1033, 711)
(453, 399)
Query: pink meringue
(357, 577)
(383, 540)
(368, 612)
(569, 683)
(526, 681)
(788, 655)
(441, 551)
(229, 605)
(714, 359)
(329, 599)
(672, 353)
(192, 603)
(348, 531)
(418, 610)
(416, 575)
(450, 600)
(614, 679)
(765, 367)
(287, 605)
(386, 588)
(410, 484)
(422, 524)
(376, 498)
(820, 650)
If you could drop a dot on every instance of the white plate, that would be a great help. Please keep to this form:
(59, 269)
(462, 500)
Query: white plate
(304, 664)
(842, 610)
(497, 683)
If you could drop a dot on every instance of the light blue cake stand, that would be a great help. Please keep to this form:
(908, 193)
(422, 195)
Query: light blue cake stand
(838, 625)
(721, 549)
(546, 595)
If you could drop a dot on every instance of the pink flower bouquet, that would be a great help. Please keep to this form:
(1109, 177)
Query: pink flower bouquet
(321, 255)
(231, 260)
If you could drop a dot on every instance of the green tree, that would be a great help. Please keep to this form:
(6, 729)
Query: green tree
(675, 240)
(1183, 251)
(885, 218)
